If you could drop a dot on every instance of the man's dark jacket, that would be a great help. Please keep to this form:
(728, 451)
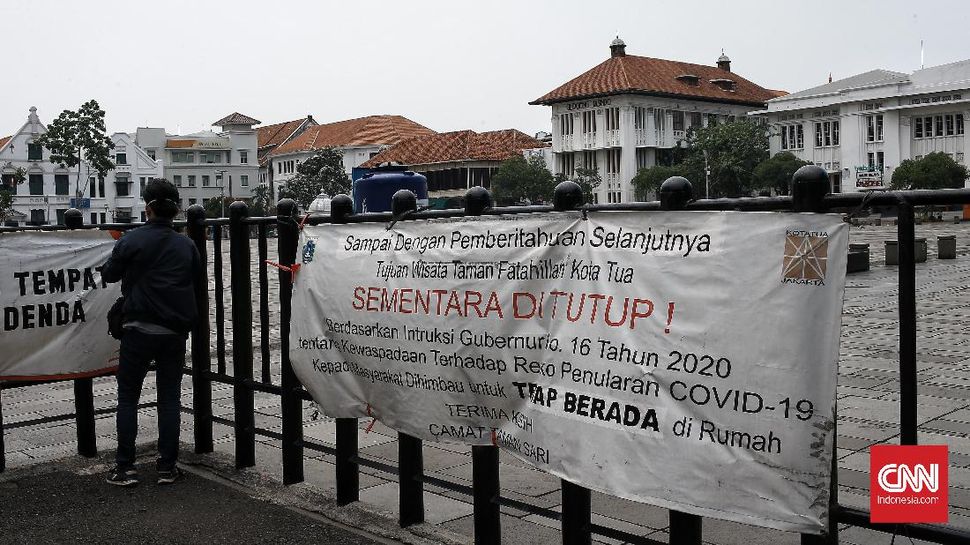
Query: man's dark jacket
(158, 268)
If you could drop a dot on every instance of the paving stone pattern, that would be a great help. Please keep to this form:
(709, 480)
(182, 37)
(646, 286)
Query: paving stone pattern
(868, 404)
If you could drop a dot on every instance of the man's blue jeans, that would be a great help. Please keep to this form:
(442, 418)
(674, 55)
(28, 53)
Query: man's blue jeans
(137, 351)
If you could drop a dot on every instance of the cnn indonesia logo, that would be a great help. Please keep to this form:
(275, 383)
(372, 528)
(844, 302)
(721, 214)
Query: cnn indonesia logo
(908, 483)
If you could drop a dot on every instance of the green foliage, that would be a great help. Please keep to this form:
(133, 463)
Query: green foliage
(322, 173)
(215, 209)
(519, 179)
(77, 136)
(261, 205)
(934, 171)
(7, 193)
(775, 173)
(648, 180)
(732, 151)
(588, 179)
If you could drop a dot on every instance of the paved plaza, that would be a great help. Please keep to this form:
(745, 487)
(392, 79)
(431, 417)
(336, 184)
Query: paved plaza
(867, 405)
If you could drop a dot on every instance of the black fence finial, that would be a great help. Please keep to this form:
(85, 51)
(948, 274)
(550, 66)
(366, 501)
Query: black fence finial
(403, 201)
(73, 218)
(567, 196)
(810, 184)
(675, 193)
(477, 200)
(341, 206)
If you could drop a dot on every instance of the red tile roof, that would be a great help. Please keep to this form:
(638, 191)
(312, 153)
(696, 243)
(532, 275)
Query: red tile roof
(268, 137)
(457, 146)
(4, 140)
(276, 134)
(364, 131)
(646, 75)
(236, 118)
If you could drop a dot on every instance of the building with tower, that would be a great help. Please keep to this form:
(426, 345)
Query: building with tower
(629, 112)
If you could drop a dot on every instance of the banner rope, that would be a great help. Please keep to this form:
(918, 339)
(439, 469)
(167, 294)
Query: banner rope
(292, 269)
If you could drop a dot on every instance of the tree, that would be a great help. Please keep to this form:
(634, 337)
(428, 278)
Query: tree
(261, 201)
(775, 173)
(934, 171)
(648, 180)
(77, 136)
(730, 151)
(7, 192)
(217, 208)
(322, 173)
(520, 179)
(588, 179)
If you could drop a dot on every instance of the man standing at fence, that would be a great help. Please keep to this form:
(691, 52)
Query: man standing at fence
(157, 268)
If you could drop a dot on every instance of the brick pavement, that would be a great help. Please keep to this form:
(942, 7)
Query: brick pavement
(867, 398)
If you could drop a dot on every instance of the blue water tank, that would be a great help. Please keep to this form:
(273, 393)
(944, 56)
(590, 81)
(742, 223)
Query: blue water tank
(373, 192)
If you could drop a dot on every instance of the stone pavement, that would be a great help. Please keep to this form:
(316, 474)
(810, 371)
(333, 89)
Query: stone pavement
(867, 398)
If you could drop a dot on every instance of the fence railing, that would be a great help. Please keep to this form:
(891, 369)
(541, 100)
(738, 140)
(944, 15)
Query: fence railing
(809, 195)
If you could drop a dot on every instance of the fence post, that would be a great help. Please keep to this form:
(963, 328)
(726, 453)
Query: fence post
(201, 364)
(810, 184)
(242, 335)
(685, 528)
(410, 459)
(576, 517)
(3, 449)
(485, 460)
(288, 235)
(906, 234)
(87, 444)
(348, 472)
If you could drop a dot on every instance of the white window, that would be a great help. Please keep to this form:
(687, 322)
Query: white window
(205, 180)
(639, 118)
(880, 157)
(835, 133)
(918, 127)
(177, 180)
(566, 124)
(959, 123)
(243, 157)
(191, 178)
(279, 168)
(939, 125)
(826, 134)
(792, 137)
(678, 120)
(244, 180)
(612, 119)
(589, 160)
(949, 125)
(567, 164)
(589, 122)
(183, 156)
(613, 161)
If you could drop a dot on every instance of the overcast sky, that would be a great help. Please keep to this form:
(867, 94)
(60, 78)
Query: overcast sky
(446, 64)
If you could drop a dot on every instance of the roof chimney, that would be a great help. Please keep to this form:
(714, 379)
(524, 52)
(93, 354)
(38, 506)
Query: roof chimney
(723, 62)
(617, 48)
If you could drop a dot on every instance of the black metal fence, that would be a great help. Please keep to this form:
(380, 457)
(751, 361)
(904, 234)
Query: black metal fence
(809, 195)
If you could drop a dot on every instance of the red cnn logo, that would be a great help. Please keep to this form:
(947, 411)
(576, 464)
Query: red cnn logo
(908, 483)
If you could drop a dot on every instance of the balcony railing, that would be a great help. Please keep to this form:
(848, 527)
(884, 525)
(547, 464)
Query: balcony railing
(641, 137)
(612, 138)
(612, 180)
(566, 142)
(589, 140)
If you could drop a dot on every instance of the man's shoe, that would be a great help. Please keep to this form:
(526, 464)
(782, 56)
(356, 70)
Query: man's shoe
(122, 476)
(169, 476)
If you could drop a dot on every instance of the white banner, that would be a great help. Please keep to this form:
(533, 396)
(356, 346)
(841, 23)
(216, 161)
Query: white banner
(54, 304)
(682, 359)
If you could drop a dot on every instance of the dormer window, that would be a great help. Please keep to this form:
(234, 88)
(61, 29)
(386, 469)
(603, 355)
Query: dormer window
(690, 79)
(725, 84)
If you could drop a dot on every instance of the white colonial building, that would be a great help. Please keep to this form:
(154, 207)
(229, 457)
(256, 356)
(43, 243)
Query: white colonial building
(629, 112)
(50, 189)
(862, 127)
(207, 165)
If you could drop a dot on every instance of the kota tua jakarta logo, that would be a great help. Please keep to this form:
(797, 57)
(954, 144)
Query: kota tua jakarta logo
(806, 255)
(908, 483)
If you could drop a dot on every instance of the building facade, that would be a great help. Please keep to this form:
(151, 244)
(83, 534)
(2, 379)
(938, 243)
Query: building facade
(629, 112)
(357, 140)
(50, 189)
(455, 161)
(207, 165)
(862, 127)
